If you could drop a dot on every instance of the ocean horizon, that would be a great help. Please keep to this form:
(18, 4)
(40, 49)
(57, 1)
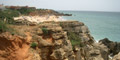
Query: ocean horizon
(101, 24)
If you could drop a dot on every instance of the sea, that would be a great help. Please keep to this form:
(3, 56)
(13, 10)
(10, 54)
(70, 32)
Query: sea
(101, 24)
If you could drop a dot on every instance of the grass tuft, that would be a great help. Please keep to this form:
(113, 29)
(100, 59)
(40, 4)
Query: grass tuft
(33, 45)
(3, 26)
(45, 31)
(75, 39)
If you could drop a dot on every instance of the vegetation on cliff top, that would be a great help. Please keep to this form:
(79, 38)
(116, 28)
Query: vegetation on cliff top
(4, 27)
(7, 15)
(25, 11)
(48, 12)
(10, 13)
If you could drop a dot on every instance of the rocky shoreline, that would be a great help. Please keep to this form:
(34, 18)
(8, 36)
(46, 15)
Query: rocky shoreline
(27, 33)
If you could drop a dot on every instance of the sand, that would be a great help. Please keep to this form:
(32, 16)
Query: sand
(38, 19)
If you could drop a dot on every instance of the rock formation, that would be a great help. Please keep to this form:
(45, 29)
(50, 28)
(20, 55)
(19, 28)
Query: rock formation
(114, 47)
(92, 52)
(54, 45)
(117, 57)
(14, 47)
(78, 28)
(51, 42)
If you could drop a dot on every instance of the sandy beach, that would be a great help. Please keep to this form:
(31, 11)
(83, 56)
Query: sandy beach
(39, 19)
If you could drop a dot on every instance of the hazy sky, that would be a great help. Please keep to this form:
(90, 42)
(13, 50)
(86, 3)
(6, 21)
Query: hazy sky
(84, 5)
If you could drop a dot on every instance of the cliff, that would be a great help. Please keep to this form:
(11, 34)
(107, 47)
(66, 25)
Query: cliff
(51, 43)
(90, 49)
(63, 40)
(43, 12)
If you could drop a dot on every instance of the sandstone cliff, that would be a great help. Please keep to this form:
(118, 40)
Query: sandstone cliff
(91, 50)
(52, 41)
(79, 29)
(14, 47)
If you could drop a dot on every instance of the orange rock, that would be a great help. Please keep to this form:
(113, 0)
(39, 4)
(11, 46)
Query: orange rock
(14, 47)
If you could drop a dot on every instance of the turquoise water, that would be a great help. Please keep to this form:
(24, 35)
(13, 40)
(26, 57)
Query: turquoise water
(101, 24)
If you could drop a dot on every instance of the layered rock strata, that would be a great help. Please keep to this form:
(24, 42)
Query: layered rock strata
(52, 43)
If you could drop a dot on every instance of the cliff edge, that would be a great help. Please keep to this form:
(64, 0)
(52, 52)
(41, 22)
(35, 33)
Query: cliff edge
(63, 40)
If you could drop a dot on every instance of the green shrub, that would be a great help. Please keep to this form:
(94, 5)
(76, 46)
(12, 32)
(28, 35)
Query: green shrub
(74, 43)
(33, 44)
(8, 15)
(75, 39)
(61, 24)
(45, 31)
(3, 27)
(25, 11)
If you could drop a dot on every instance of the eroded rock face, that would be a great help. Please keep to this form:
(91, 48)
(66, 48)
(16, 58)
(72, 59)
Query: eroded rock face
(51, 46)
(14, 47)
(54, 45)
(78, 28)
(92, 52)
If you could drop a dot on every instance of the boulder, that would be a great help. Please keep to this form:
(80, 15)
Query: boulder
(116, 57)
(114, 47)
(92, 52)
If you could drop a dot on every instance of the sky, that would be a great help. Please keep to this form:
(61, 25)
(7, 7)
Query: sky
(77, 5)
